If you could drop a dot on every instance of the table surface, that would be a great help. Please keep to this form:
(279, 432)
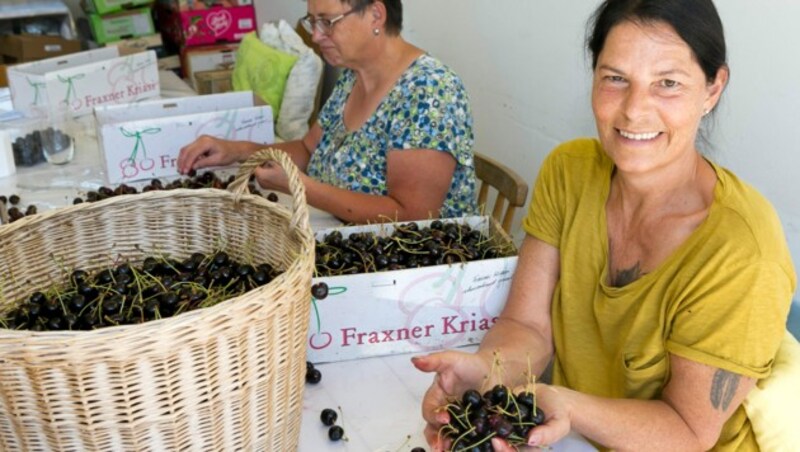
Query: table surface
(380, 400)
(379, 397)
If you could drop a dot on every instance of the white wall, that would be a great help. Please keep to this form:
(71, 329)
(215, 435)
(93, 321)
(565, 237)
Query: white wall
(525, 67)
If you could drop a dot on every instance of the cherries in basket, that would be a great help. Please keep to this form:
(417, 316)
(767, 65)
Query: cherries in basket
(477, 418)
(126, 294)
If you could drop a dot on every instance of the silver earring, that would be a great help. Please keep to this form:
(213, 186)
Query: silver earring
(376, 31)
(705, 112)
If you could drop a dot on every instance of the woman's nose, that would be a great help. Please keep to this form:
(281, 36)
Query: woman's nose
(637, 101)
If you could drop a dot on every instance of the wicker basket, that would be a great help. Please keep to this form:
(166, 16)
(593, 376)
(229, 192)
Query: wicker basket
(224, 378)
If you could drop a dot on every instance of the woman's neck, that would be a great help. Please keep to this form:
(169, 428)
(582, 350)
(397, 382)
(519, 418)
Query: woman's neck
(685, 187)
(384, 64)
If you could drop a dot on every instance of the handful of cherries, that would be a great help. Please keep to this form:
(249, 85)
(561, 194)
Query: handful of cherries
(477, 418)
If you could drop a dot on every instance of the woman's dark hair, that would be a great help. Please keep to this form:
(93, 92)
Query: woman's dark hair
(695, 21)
(394, 13)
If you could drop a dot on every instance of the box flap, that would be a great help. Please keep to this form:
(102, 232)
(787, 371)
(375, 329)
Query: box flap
(162, 108)
(42, 67)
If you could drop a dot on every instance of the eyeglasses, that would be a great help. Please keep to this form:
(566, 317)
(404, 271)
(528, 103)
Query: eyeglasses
(324, 26)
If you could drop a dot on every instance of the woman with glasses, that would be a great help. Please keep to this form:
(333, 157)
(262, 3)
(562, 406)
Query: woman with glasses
(393, 141)
(655, 281)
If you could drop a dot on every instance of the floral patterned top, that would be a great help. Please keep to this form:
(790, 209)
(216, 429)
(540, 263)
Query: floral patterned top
(428, 108)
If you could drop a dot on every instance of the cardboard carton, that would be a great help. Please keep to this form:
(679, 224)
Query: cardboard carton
(140, 44)
(79, 82)
(213, 82)
(142, 140)
(195, 5)
(207, 58)
(25, 48)
(413, 310)
(124, 25)
(207, 26)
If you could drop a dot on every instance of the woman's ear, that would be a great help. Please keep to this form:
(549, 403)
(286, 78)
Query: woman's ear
(716, 87)
(378, 11)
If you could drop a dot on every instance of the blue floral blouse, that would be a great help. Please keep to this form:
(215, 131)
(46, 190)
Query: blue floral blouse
(428, 108)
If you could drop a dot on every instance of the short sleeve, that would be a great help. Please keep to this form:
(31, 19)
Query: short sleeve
(737, 320)
(545, 218)
(433, 112)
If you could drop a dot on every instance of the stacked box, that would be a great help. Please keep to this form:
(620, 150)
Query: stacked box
(212, 25)
(219, 57)
(103, 7)
(128, 24)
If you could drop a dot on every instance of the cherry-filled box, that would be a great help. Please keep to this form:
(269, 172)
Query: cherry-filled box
(433, 284)
(142, 141)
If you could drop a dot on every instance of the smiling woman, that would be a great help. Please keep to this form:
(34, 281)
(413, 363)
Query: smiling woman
(394, 139)
(656, 281)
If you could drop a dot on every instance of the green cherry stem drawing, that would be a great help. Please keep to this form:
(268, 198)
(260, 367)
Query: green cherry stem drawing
(331, 292)
(36, 86)
(70, 81)
(139, 140)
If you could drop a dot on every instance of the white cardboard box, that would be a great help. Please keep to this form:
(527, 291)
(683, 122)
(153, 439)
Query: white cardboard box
(408, 311)
(79, 82)
(142, 140)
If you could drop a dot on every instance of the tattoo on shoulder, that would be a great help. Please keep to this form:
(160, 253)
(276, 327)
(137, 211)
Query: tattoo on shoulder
(723, 388)
(627, 276)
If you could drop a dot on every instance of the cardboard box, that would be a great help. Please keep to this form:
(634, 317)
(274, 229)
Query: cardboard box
(135, 45)
(195, 5)
(79, 82)
(109, 6)
(413, 310)
(207, 26)
(142, 140)
(3, 76)
(124, 25)
(25, 48)
(207, 58)
(213, 82)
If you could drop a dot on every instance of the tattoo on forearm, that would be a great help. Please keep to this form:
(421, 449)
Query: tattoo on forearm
(625, 277)
(723, 388)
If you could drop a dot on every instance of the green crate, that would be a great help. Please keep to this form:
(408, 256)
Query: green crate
(111, 6)
(130, 24)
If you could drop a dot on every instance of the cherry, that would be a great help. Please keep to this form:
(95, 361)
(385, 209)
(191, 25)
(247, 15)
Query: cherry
(313, 376)
(335, 433)
(319, 290)
(328, 416)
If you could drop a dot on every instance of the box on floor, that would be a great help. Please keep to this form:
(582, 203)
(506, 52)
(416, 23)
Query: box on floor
(25, 48)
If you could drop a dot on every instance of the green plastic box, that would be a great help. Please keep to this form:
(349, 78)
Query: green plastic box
(129, 24)
(111, 6)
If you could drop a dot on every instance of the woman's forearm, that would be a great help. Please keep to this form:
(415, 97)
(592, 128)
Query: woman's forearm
(359, 208)
(628, 424)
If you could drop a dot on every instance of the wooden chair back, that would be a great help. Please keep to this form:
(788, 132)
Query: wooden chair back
(511, 189)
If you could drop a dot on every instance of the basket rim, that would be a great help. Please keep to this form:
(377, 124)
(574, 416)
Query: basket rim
(304, 238)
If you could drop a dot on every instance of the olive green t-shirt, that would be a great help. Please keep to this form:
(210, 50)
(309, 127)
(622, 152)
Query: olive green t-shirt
(720, 299)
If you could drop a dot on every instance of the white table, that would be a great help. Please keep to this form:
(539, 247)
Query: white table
(380, 400)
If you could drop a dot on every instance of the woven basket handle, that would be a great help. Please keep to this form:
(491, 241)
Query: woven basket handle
(296, 187)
